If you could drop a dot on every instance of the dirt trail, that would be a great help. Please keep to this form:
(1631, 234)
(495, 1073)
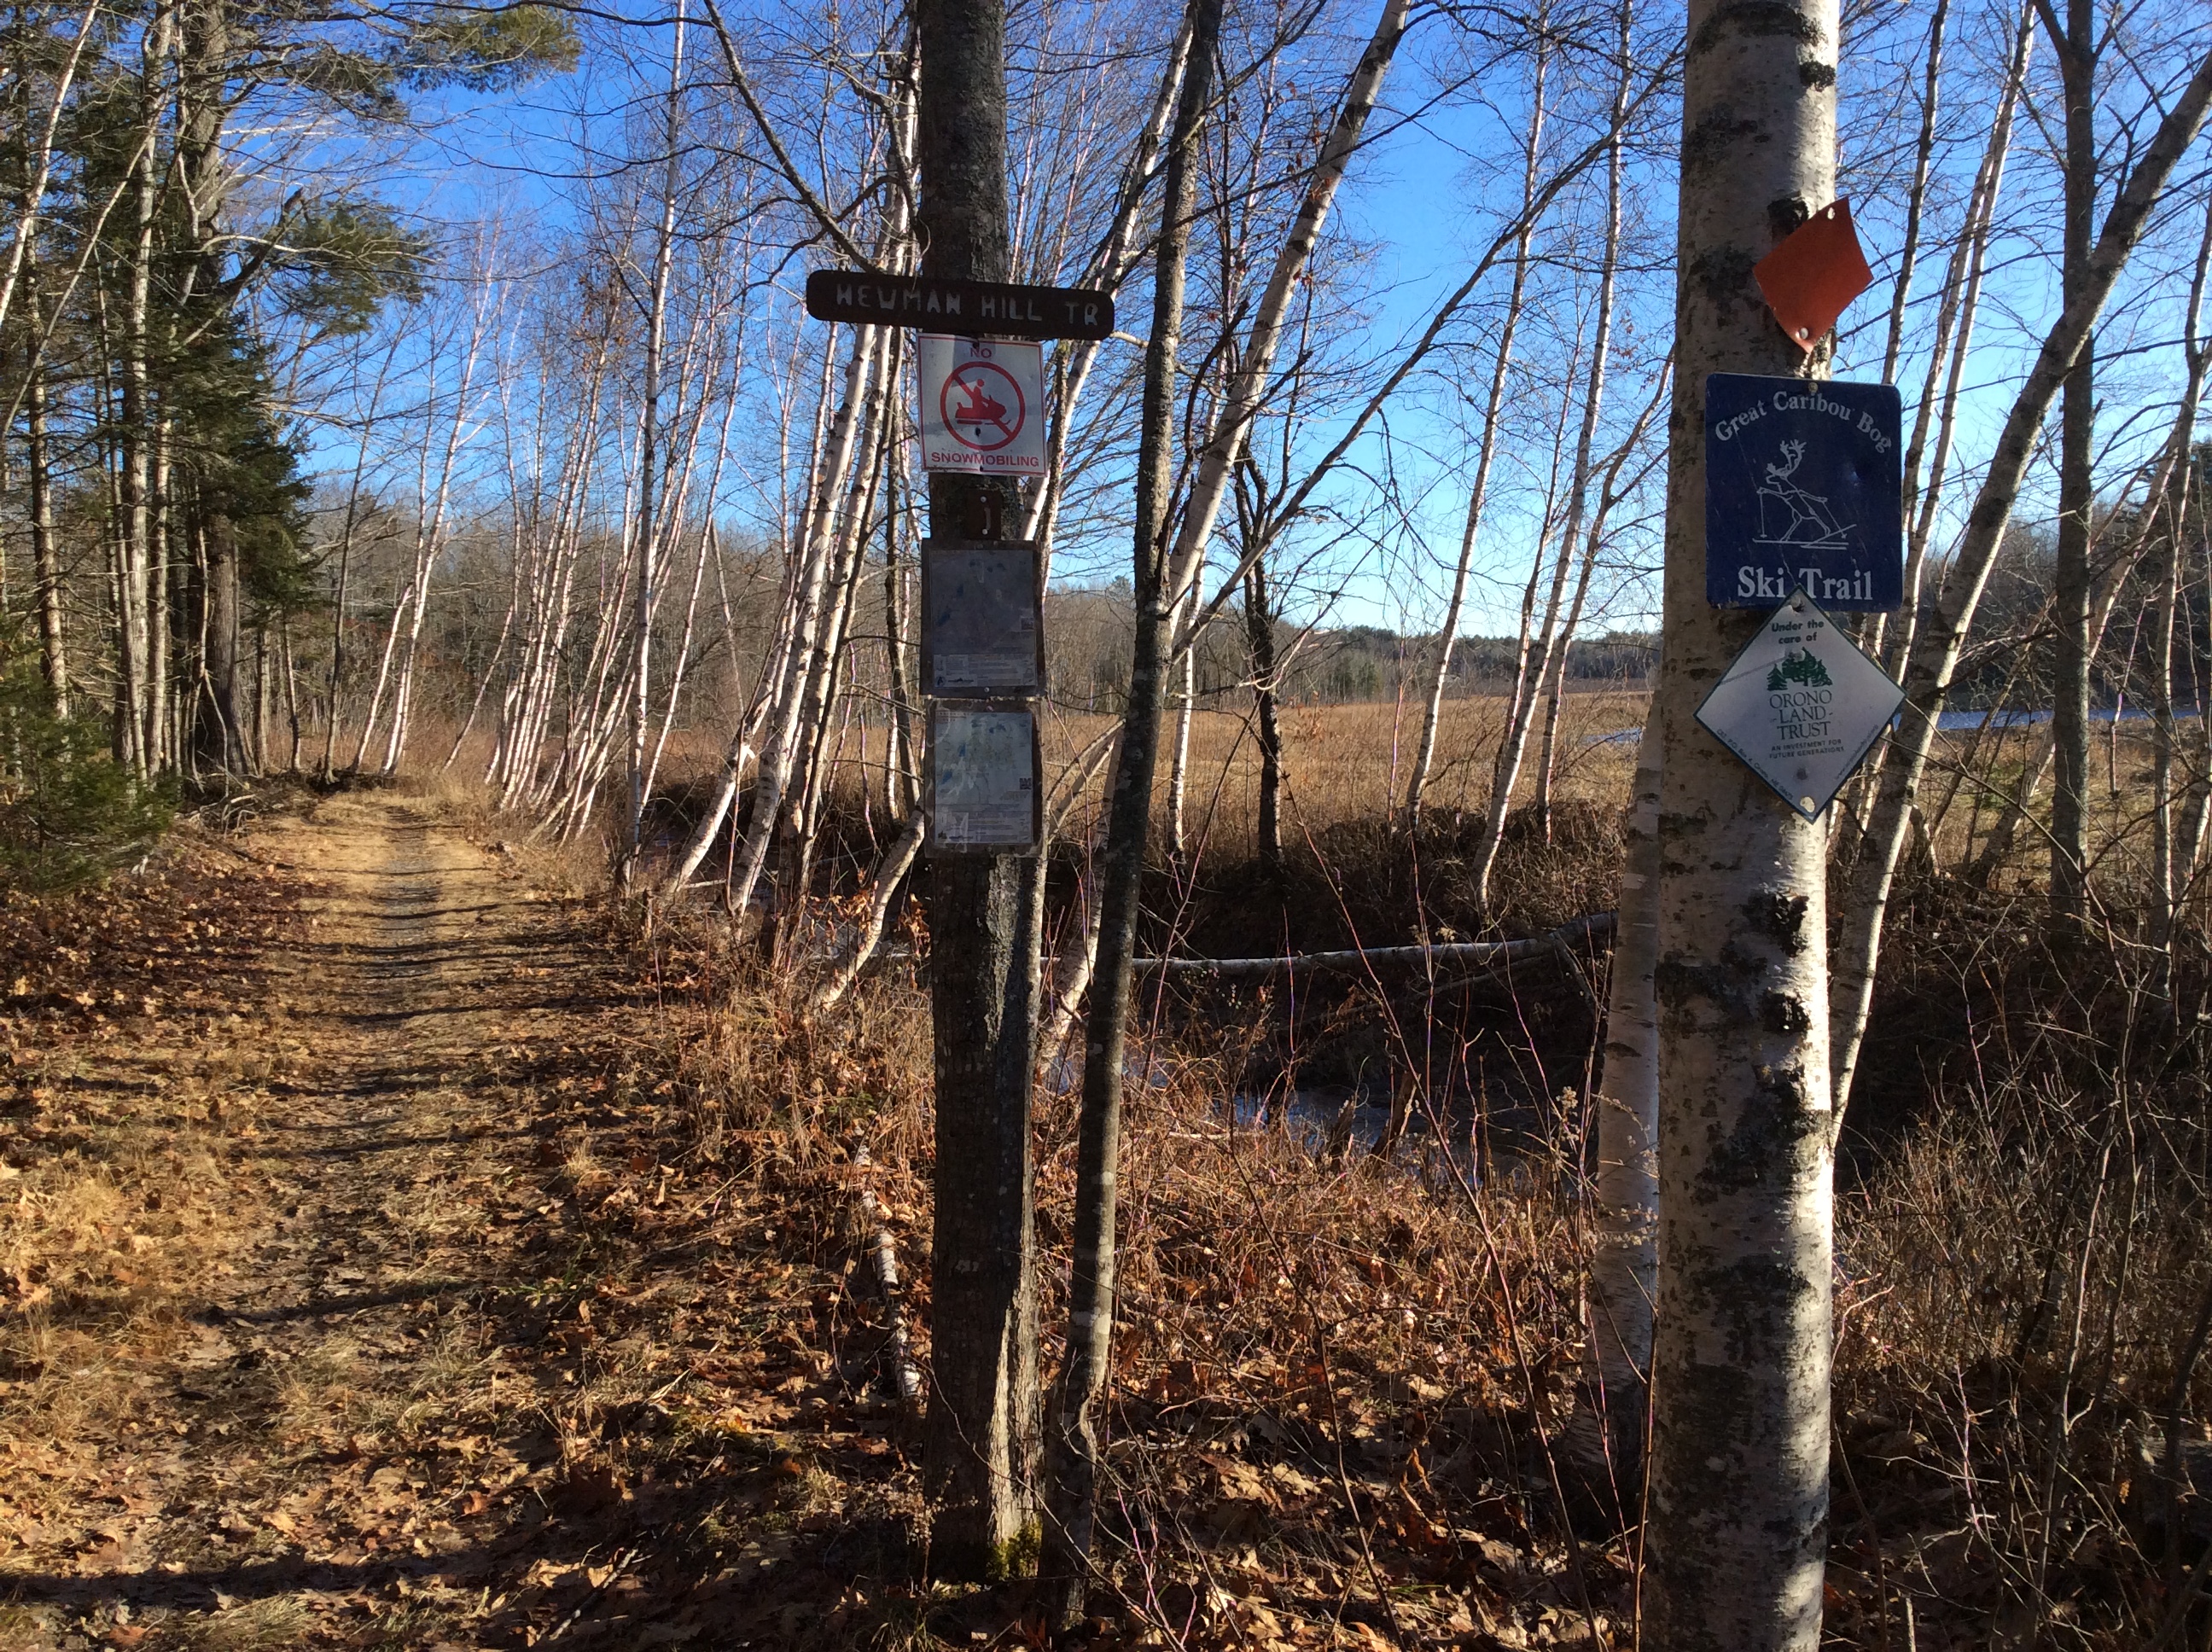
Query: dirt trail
(311, 1431)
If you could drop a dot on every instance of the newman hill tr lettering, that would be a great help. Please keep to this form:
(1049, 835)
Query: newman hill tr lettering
(996, 309)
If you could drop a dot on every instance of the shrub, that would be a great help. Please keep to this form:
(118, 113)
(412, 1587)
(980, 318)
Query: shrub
(68, 813)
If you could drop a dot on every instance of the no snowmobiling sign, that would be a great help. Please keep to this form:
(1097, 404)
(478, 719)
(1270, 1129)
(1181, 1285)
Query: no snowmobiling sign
(983, 405)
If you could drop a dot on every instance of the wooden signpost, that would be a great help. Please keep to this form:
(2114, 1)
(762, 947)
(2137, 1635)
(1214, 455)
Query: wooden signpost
(981, 377)
(996, 309)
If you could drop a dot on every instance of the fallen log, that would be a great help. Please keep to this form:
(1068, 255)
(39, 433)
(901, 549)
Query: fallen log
(1593, 930)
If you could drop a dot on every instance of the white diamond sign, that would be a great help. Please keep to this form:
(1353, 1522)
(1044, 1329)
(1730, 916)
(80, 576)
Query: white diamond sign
(1801, 705)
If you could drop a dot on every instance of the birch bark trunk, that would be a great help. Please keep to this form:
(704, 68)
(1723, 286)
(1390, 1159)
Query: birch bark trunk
(133, 736)
(648, 456)
(782, 679)
(1232, 422)
(1073, 1475)
(1585, 439)
(46, 563)
(2076, 49)
(2170, 874)
(1625, 1257)
(1737, 1536)
(1486, 448)
(1942, 631)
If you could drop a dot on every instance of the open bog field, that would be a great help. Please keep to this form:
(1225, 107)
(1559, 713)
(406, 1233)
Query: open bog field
(1346, 764)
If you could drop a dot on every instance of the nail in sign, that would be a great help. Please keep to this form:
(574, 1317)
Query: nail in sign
(983, 405)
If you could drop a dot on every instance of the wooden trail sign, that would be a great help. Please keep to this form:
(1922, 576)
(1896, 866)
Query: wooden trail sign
(998, 309)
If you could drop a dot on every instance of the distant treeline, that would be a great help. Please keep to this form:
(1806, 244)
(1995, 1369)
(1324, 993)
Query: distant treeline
(1087, 655)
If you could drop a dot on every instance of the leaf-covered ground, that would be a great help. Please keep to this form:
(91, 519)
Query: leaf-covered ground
(392, 1257)
(348, 1299)
(397, 1251)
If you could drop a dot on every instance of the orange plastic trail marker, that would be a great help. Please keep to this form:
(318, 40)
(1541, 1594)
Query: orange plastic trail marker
(1815, 273)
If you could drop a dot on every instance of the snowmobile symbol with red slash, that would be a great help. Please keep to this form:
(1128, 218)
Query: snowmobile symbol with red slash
(982, 404)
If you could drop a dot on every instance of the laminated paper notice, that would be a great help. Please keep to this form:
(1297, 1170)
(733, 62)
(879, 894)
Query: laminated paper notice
(980, 619)
(984, 794)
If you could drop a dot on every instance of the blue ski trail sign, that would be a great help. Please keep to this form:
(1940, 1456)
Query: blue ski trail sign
(1804, 485)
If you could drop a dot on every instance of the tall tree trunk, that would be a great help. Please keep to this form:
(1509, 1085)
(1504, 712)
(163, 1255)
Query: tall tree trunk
(2070, 589)
(346, 534)
(1578, 505)
(45, 562)
(649, 457)
(1486, 448)
(1955, 332)
(165, 587)
(1944, 619)
(1531, 669)
(291, 690)
(901, 757)
(1186, 699)
(1916, 198)
(1738, 1531)
(136, 555)
(203, 177)
(1955, 329)
(782, 678)
(1260, 641)
(1625, 1257)
(980, 1450)
(2170, 874)
(1232, 422)
(217, 741)
(1076, 1441)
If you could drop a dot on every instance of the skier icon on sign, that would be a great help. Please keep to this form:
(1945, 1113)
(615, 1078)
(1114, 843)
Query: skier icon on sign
(1789, 515)
(982, 406)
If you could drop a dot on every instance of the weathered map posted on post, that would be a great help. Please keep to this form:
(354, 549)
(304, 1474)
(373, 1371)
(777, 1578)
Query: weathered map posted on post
(1801, 706)
(983, 770)
(981, 619)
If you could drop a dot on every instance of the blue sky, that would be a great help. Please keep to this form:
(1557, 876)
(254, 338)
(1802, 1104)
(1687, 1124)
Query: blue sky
(1418, 202)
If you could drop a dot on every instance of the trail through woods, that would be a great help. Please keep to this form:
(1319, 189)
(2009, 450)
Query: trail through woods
(329, 1325)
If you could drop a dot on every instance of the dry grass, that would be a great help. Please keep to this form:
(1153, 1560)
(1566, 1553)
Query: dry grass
(1335, 1379)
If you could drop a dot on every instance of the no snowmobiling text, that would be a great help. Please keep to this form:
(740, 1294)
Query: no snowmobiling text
(1803, 489)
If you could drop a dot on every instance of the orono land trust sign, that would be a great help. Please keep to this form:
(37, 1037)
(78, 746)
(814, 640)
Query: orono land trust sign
(1801, 705)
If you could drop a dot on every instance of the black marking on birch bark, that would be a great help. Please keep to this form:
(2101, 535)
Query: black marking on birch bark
(1718, 141)
(1676, 982)
(1756, 17)
(1754, 1298)
(1790, 212)
(1780, 917)
(1817, 76)
(1783, 1013)
(1724, 276)
(1786, 1083)
(1764, 1146)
